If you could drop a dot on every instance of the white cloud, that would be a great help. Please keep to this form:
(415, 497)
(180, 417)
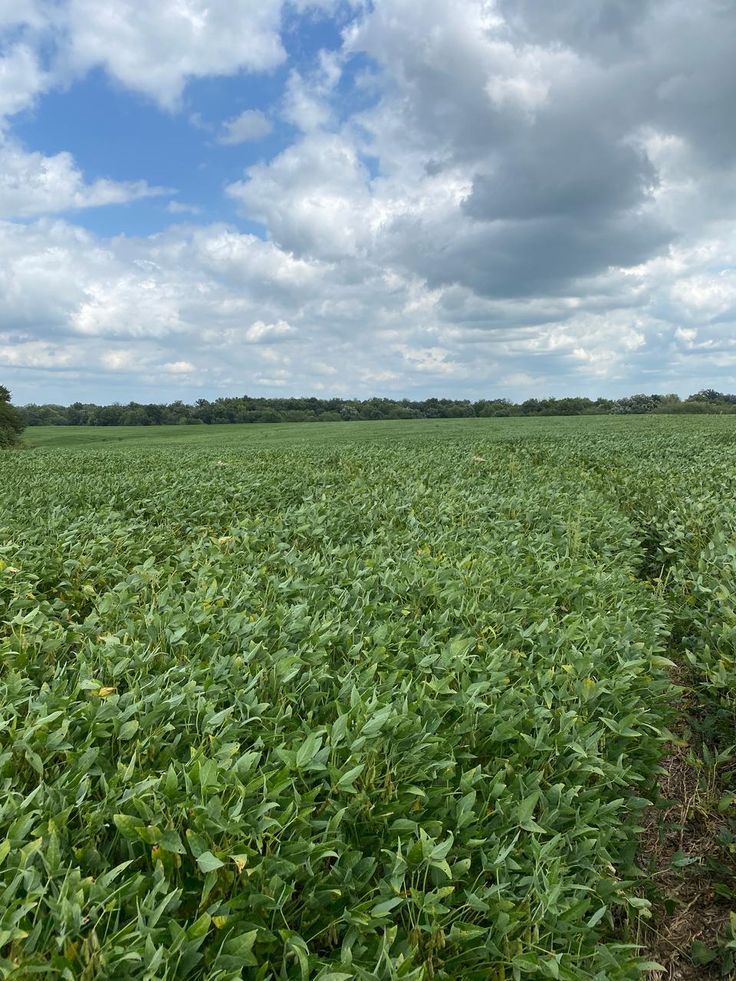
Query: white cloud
(21, 79)
(37, 354)
(131, 305)
(225, 302)
(119, 360)
(250, 125)
(156, 48)
(314, 197)
(308, 97)
(527, 199)
(178, 367)
(181, 208)
(432, 360)
(260, 331)
(15, 13)
(32, 184)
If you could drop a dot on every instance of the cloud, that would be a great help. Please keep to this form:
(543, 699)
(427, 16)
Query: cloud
(181, 208)
(156, 48)
(129, 305)
(119, 360)
(37, 354)
(21, 79)
(260, 331)
(474, 198)
(178, 367)
(141, 310)
(313, 197)
(309, 96)
(250, 125)
(32, 184)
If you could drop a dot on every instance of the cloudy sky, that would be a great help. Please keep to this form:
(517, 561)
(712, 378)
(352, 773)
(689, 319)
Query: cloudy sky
(401, 197)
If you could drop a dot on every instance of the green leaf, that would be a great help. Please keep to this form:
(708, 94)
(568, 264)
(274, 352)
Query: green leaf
(347, 779)
(128, 826)
(171, 842)
(241, 947)
(596, 918)
(526, 808)
(702, 954)
(200, 928)
(209, 862)
(384, 907)
(308, 750)
(128, 730)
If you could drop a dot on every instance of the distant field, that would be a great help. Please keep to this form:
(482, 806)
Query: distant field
(335, 432)
(367, 700)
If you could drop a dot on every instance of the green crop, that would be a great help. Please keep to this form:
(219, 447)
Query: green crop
(363, 708)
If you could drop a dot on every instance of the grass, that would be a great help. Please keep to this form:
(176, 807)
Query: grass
(331, 433)
(390, 700)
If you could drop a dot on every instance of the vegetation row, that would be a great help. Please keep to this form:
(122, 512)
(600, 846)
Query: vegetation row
(244, 409)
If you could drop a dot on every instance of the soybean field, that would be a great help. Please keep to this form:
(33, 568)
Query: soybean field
(421, 700)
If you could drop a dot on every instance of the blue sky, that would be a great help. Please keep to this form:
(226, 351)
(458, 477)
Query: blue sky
(404, 197)
(122, 134)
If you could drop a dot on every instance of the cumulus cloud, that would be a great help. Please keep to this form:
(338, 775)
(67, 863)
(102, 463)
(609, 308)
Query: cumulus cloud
(260, 331)
(156, 48)
(32, 184)
(21, 79)
(178, 367)
(475, 198)
(250, 125)
(313, 197)
(225, 303)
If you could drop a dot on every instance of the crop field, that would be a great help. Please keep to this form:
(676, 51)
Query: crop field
(364, 701)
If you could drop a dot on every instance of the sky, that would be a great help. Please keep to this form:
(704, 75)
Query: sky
(463, 198)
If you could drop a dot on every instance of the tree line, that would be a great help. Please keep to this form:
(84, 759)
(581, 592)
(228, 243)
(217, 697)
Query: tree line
(12, 422)
(245, 409)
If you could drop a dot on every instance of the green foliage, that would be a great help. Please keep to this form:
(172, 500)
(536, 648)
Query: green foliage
(365, 708)
(244, 409)
(11, 421)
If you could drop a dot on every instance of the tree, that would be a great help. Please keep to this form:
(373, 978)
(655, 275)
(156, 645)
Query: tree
(11, 421)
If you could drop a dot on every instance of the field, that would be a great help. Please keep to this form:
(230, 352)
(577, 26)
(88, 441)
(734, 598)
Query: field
(369, 701)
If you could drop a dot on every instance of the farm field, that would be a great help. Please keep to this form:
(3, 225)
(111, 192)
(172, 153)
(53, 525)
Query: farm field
(367, 701)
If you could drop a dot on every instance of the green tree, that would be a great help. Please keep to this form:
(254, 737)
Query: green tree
(11, 421)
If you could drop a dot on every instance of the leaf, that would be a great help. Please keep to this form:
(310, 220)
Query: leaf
(128, 826)
(441, 851)
(702, 954)
(526, 807)
(308, 750)
(596, 918)
(200, 928)
(171, 842)
(241, 947)
(725, 802)
(128, 730)
(384, 907)
(208, 862)
(347, 779)
(680, 860)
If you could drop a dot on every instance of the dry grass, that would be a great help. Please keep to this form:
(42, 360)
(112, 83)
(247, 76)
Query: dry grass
(685, 827)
